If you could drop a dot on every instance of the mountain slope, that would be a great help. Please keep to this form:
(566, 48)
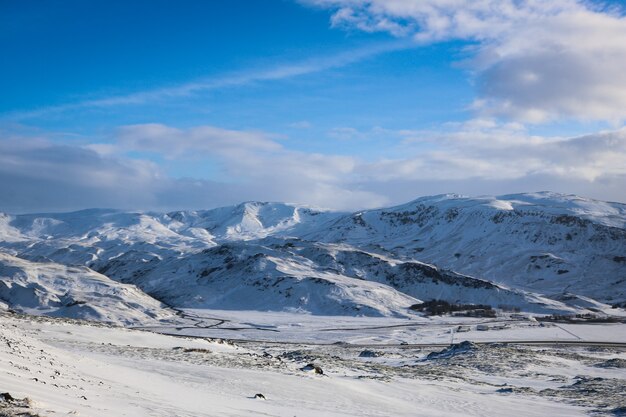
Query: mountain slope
(76, 292)
(253, 276)
(279, 274)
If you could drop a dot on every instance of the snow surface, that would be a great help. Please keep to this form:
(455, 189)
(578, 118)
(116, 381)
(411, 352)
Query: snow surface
(69, 368)
(307, 328)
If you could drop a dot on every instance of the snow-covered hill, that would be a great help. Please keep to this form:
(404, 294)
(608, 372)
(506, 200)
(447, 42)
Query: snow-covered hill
(541, 252)
(74, 291)
(277, 274)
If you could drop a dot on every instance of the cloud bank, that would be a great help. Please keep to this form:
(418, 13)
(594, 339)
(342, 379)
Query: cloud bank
(476, 157)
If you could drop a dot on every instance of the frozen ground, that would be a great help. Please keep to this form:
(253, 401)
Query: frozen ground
(69, 367)
(307, 328)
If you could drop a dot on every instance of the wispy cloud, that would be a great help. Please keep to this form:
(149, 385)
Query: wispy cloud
(301, 124)
(233, 79)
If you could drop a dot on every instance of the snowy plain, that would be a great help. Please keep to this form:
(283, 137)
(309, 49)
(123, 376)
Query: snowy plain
(77, 368)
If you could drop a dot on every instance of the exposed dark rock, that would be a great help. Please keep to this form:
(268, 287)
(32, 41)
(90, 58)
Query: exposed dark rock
(453, 350)
(5, 396)
(370, 354)
(14, 407)
(312, 367)
(613, 363)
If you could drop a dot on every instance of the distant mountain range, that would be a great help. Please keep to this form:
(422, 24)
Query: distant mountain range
(539, 252)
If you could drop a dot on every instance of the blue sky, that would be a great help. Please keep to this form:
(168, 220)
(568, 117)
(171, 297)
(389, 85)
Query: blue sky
(108, 49)
(338, 103)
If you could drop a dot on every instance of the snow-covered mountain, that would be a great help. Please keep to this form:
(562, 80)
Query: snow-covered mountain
(251, 220)
(540, 252)
(545, 242)
(186, 229)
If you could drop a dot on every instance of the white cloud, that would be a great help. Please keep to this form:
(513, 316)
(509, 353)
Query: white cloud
(479, 150)
(258, 161)
(534, 61)
(39, 175)
(173, 143)
(475, 157)
(475, 151)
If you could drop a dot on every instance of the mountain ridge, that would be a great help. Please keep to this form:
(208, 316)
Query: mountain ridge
(535, 250)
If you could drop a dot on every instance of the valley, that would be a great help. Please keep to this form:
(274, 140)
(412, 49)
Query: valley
(447, 305)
